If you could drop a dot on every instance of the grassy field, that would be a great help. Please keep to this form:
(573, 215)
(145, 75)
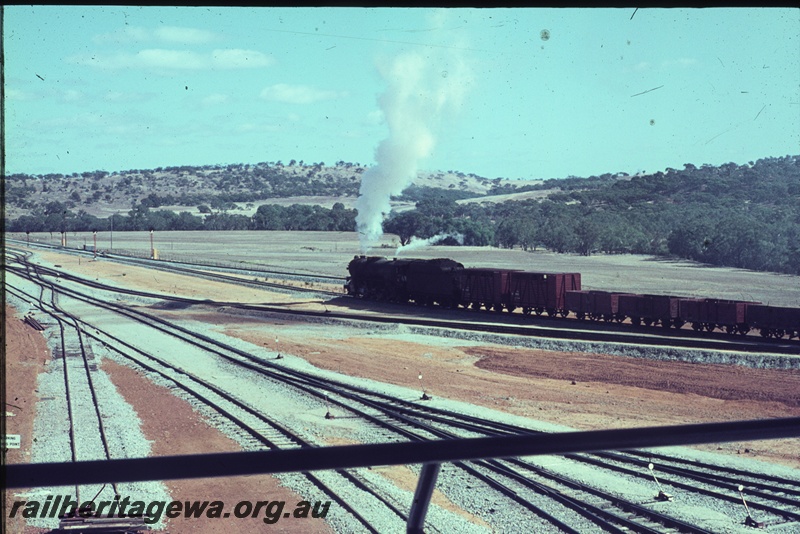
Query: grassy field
(329, 253)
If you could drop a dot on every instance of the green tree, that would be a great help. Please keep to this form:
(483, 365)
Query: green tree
(268, 217)
(406, 225)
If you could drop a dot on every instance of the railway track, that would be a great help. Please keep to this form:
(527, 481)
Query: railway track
(413, 413)
(88, 437)
(257, 430)
(556, 328)
(501, 476)
(491, 323)
(240, 276)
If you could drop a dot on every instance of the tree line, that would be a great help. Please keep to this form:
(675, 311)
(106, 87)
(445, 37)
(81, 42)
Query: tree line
(745, 216)
(56, 217)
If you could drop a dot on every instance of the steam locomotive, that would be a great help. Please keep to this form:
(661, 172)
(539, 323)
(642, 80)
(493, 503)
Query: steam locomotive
(448, 283)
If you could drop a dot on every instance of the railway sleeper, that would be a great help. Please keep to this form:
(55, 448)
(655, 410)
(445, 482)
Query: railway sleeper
(103, 524)
(652, 525)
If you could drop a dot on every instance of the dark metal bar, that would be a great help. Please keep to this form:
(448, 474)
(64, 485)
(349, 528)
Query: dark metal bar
(422, 498)
(344, 457)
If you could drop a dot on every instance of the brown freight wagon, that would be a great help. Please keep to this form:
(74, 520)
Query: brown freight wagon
(651, 309)
(595, 305)
(539, 292)
(708, 314)
(774, 321)
(486, 288)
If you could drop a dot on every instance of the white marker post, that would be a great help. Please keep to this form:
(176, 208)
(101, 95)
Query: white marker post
(662, 495)
(749, 521)
(424, 393)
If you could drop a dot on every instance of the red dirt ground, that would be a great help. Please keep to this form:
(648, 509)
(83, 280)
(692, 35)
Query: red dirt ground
(584, 391)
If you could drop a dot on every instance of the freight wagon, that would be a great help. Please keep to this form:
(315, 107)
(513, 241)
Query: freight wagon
(484, 288)
(774, 321)
(447, 283)
(708, 314)
(539, 292)
(595, 305)
(651, 309)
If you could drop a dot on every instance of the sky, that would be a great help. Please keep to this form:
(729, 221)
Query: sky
(510, 92)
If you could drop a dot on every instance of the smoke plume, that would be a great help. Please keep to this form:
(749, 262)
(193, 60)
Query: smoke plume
(416, 243)
(419, 89)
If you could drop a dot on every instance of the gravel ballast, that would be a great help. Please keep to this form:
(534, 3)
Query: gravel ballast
(298, 411)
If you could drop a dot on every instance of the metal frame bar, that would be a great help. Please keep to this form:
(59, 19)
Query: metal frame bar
(422, 498)
(351, 456)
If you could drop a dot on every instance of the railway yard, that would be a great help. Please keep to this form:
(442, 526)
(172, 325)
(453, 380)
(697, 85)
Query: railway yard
(259, 348)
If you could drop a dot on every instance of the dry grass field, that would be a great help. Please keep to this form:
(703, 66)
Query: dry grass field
(329, 253)
(579, 390)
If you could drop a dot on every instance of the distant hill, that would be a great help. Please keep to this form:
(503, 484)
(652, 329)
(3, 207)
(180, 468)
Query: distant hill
(235, 188)
(745, 216)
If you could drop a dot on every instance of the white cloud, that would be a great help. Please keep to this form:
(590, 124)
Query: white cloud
(119, 130)
(128, 34)
(215, 99)
(16, 94)
(161, 58)
(237, 58)
(170, 59)
(297, 94)
(168, 34)
(174, 34)
(680, 62)
(72, 96)
(665, 64)
(374, 118)
(248, 127)
(122, 96)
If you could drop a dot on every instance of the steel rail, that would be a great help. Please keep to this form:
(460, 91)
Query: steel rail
(318, 384)
(208, 271)
(137, 312)
(124, 258)
(586, 331)
(599, 515)
(296, 381)
(67, 389)
(555, 332)
(247, 428)
(650, 455)
(568, 501)
(507, 428)
(350, 456)
(734, 498)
